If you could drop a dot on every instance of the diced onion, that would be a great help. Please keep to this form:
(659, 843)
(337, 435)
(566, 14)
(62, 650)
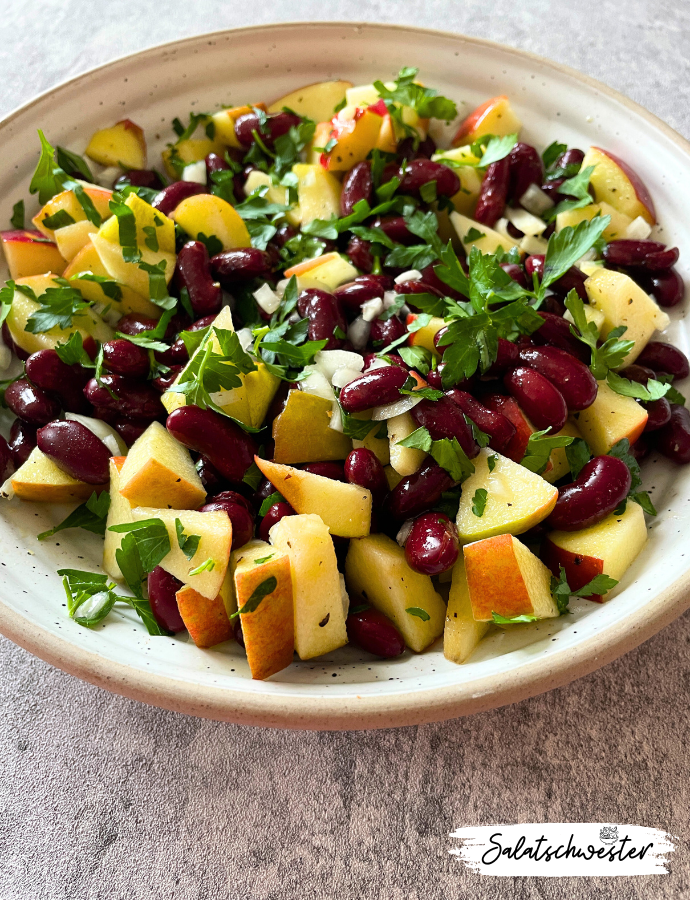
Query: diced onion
(358, 333)
(377, 363)
(336, 422)
(405, 529)
(410, 275)
(536, 201)
(638, 230)
(107, 177)
(103, 432)
(282, 284)
(344, 376)
(7, 491)
(533, 245)
(267, 299)
(405, 404)
(316, 383)
(371, 309)
(502, 228)
(195, 172)
(245, 337)
(329, 361)
(525, 222)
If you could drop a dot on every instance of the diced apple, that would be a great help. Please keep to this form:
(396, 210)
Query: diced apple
(302, 434)
(380, 447)
(616, 183)
(462, 632)
(470, 178)
(424, 337)
(495, 116)
(72, 238)
(559, 465)
(188, 151)
(387, 141)
(318, 192)
(123, 144)
(30, 253)
(404, 460)
(205, 618)
(315, 101)
(269, 631)
(366, 95)
(474, 234)
(392, 477)
(224, 124)
(504, 577)
(326, 272)
(516, 499)
(119, 513)
(508, 406)
(615, 229)
(39, 479)
(275, 194)
(609, 419)
(159, 472)
(211, 215)
(66, 201)
(344, 508)
(318, 604)
(591, 314)
(376, 570)
(609, 548)
(356, 133)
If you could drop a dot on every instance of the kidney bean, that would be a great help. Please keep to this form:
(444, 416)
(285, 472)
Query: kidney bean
(193, 271)
(163, 382)
(542, 402)
(357, 185)
(443, 419)
(641, 448)
(435, 379)
(264, 490)
(167, 200)
(129, 430)
(673, 440)
(133, 324)
(665, 358)
(215, 163)
(525, 168)
(48, 372)
(571, 157)
(667, 288)
(517, 274)
(241, 518)
(556, 333)
(417, 493)
(6, 463)
(31, 403)
(493, 193)
(430, 277)
(553, 305)
(76, 450)
(650, 255)
(506, 358)
(176, 354)
(22, 441)
(233, 266)
(659, 412)
(363, 467)
(406, 148)
(384, 332)
(601, 486)
(237, 632)
(492, 422)
(375, 388)
(277, 124)
(274, 514)
(392, 358)
(133, 399)
(327, 469)
(432, 546)
(227, 496)
(138, 178)
(385, 282)
(573, 279)
(162, 587)
(359, 252)
(636, 372)
(375, 633)
(419, 172)
(324, 314)
(212, 480)
(284, 233)
(551, 188)
(574, 380)
(352, 295)
(229, 449)
(125, 358)
(395, 227)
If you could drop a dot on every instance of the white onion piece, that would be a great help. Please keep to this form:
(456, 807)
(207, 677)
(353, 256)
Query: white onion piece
(638, 230)
(404, 532)
(316, 383)
(536, 201)
(410, 275)
(502, 228)
(103, 431)
(344, 596)
(329, 361)
(389, 299)
(106, 177)
(336, 422)
(245, 337)
(405, 404)
(377, 363)
(195, 172)
(267, 299)
(525, 222)
(358, 333)
(533, 245)
(344, 376)
(282, 284)
(371, 309)
(7, 491)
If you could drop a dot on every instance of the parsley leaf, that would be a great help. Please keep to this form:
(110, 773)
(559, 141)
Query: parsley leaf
(655, 390)
(611, 353)
(72, 352)
(90, 516)
(188, 543)
(17, 219)
(447, 453)
(578, 455)
(425, 101)
(208, 565)
(566, 246)
(354, 427)
(419, 613)
(259, 593)
(576, 187)
(271, 500)
(512, 620)
(151, 539)
(110, 288)
(561, 591)
(539, 447)
(58, 307)
(552, 152)
(491, 462)
(479, 501)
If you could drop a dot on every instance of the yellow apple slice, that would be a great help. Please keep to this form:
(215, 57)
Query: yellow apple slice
(123, 144)
(495, 116)
(39, 479)
(269, 630)
(190, 150)
(616, 183)
(474, 234)
(470, 179)
(210, 215)
(376, 570)
(30, 253)
(206, 618)
(608, 548)
(504, 577)
(318, 603)
(404, 460)
(276, 193)
(379, 446)
(302, 434)
(462, 632)
(615, 229)
(326, 272)
(344, 508)
(356, 136)
(424, 336)
(66, 201)
(315, 101)
(609, 419)
(119, 513)
(516, 499)
(318, 192)
(72, 238)
(224, 124)
(558, 459)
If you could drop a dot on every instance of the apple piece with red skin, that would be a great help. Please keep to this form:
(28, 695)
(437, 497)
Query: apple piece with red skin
(123, 144)
(424, 337)
(30, 253)
(616, 183)
(495, 116)
(356, 133)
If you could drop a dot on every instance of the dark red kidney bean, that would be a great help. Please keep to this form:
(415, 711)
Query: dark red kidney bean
(667, 288)
(665, 358)
(638, 373)
(385, 282)
(241, 518)
(6, 462)
(417, 493)
(229, 497)
(541, 401)
(384, 332)
(525, 169)
(229, 449)
(133, 324)
(276, 124)
(131, 398)
(443, 419)
(327, 469)
(551, 188)
(650, 255)
(130, 430)
(493, 193)
(125, 358)
(139, 178)
(641, 448)
(601, 486)
(571, 157)
(22, 441)
(506, 358)
(176, 354)
(353, 294)
(435, 380)
(233, 266)
(211, 479)
(193, 271)
(410, 288)
(556, 333)
(659, 413)
(47, 371)
(357, 185)
(406, 148)
(438, 337)
(574, 278)
(553, 305)
(163, 382)
(376, 388)
(284, 233)
(573, 379)
(514, 232)
(535, 263)
(430, 277)
(76, 450)
(324, 314)
(432, 546)
(215, 163)
(363, 467)
(167, 200)
(238, 634)
(359, 252)
(395, 227)
(264, 490)
(673, 440)
(276, 512)
(162, 587)
(375, 633)
(492, 422)
(419, 172)
(31, 403)
(106, 415)
(517, 274)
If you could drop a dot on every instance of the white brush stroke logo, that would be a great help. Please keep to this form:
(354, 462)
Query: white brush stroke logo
(563, 849)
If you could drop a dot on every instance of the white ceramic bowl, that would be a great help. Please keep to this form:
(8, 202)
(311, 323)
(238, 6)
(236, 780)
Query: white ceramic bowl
(347, 689)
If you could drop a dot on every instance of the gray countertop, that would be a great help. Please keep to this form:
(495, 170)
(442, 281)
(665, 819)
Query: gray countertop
(102, 797)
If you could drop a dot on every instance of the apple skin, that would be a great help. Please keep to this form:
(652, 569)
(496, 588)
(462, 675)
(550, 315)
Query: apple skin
(579, 569)
(639, 186)
(29, 253)
(123, 143)
(495, 116)
(615, 182)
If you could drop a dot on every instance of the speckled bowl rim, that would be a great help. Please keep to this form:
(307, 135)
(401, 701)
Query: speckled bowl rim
(358, 712)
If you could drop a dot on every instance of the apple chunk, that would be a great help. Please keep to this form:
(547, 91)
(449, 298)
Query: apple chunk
(269, 630)
(462, 632)
(474, 234)
(356, 134)
(506, 578)
(315, 101)
(608, 548)
(516, 499)
(495, 116)
(119, 513)
(206, 618)
(404, 460)
(123, 144)
(159, 471)
(609, 419)
(318, 192)
(344, 508)
(326, 272)
(302, 434)
(39, 479)
(68, 206)
(318, 602)
(30, 253)
(376, 570)
(210, 215)
(616, 183)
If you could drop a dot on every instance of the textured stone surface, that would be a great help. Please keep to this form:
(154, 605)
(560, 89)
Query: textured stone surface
(105, 798)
